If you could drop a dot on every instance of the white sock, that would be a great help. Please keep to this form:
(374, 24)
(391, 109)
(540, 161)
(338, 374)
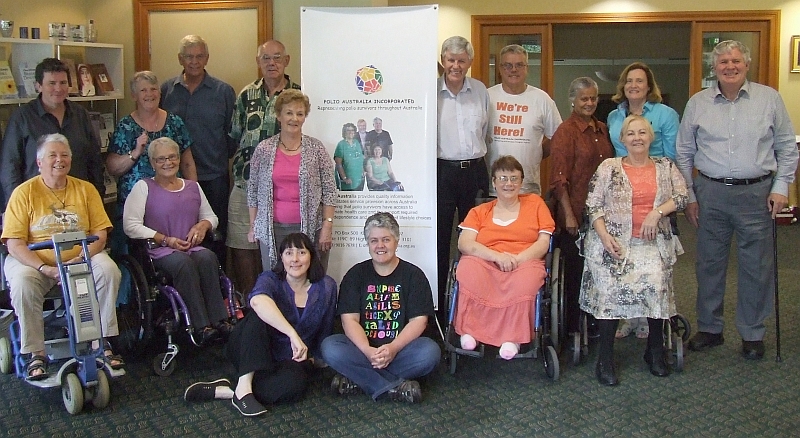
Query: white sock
(468, 342)
(508, 350)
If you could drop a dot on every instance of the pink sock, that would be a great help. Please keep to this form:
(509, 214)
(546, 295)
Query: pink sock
(508, 350)
(468, 342)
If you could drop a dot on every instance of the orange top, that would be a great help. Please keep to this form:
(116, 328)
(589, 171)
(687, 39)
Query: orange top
(534, 217)
(643, 186)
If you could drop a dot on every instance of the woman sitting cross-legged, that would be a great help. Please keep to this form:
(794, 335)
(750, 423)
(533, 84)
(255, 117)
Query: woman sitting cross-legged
(274, 346)
(503, 244)
(174, 213)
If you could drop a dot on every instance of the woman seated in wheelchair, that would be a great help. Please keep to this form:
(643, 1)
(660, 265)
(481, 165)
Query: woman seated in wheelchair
(50, 203)
(503, 244)
(274, 346)
(175, 213)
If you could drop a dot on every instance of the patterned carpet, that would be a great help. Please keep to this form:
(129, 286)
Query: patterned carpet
(719, 394)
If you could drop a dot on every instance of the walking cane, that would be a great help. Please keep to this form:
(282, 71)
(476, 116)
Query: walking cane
(777, 307)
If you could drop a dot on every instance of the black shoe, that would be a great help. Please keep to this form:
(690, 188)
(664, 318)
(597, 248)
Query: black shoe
(341, 385)
(248, 405)
(753, 350)
(658, 365)
(606, 374)
(204, 391)
(702, 341)
(208, 334)
(408, 391)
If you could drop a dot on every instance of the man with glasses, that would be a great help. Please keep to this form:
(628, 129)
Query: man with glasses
(463, 107)
(205, 104)
(379, 137)
(522, 118)
(254, 119)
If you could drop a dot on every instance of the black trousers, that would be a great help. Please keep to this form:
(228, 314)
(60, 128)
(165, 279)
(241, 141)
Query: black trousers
(573, 274)
(218, 192)
(248, 349)
(456, 189)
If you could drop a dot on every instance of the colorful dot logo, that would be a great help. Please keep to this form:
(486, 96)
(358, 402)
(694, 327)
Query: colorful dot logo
(369, 79)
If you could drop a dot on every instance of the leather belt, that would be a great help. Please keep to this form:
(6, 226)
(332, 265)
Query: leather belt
(737, 182)
(461, 164)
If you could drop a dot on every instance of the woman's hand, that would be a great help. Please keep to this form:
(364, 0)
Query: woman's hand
(348, 181)
(141, 143)
(178, 244)
(325, 237)
(196, 234)
(505, 261)
(571, 224)
(251, 237)
(649, 228)
(611, 245)
(299, 349)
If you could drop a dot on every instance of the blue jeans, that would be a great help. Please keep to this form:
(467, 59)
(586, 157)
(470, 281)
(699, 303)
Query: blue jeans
(417, 359)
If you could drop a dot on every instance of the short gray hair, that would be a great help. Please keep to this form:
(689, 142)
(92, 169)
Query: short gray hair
(162, 141)
(382, 219)
(515, 49)
(580, 84)
(726, 47)
(144, 75)
(50, 138)
(191, 41)
(457, 45)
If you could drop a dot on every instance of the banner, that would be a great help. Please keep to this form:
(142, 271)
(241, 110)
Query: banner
(373, 71)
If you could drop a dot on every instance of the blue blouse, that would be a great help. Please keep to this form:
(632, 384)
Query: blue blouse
(665, 126)
(316, 322)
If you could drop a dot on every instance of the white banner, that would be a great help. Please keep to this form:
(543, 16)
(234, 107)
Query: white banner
(377, 65)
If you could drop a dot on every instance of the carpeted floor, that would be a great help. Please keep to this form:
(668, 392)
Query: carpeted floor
(718, 394)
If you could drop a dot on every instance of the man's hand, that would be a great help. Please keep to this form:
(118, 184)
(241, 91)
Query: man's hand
(775, 203)
(692, 213)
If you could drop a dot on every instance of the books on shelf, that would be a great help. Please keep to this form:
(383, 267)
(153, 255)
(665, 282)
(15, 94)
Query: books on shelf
(25, 76)
(8, 88)
(102, 79)
(111, 187)
(103, 126)
(72, 76)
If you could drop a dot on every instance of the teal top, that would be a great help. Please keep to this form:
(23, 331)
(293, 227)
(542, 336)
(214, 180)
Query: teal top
(353, 163)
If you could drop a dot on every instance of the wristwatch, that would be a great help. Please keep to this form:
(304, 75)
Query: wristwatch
(130, 155)
(164, 241)
(661, 213)
(329, 219)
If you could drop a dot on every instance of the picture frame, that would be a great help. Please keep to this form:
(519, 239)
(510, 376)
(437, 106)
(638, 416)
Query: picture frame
(795, 54)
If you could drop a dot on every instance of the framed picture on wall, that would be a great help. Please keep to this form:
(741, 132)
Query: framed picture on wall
(795, 54)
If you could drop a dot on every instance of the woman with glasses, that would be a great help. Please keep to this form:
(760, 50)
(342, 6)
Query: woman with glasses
(175, 213)
(349, 158)
(630, 248)
(579, 145)
(503, 243)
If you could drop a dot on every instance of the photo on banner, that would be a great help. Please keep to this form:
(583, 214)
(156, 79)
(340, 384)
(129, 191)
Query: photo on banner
(372, 87)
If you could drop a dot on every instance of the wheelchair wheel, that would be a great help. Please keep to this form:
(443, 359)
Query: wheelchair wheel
(102, 391)
(681, 327)
(6, 358)
(135, 319)
(161, 371)
(551, 366)
(557, 300)
(72, 393)
(678, 353)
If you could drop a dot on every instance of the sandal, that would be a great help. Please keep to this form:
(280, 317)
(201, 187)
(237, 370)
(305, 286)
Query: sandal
(643, 331)
(36, 363)
(624, 329)
(114, 361)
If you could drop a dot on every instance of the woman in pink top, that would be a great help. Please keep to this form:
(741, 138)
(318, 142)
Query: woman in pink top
(291, 187)
(630, 249)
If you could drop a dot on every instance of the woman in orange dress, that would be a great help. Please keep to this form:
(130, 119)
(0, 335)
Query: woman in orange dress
(503, 244)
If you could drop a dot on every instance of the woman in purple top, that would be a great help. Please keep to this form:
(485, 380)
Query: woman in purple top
(175, 213)
(274, 346)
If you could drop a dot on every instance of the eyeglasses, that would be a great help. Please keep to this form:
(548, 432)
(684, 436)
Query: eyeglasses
(509, 66)
(172, 158)
(268, 58)
(508, 179)
(199, 57)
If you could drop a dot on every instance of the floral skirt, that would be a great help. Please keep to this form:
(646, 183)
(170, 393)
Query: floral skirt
(495, 306)
(638, 286)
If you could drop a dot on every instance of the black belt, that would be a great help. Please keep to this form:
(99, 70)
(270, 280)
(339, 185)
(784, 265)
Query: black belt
(737, 182)
(461, 164)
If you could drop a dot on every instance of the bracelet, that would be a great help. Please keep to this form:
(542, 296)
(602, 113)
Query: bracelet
(328, 219)
(130, 155)
(164, 241)
(661, 213)
(40, 267)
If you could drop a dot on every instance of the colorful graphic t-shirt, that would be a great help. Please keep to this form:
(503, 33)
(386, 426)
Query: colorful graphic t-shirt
(385, 304)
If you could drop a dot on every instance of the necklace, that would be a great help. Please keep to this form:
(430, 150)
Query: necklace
(62, 201)
(286, 148)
